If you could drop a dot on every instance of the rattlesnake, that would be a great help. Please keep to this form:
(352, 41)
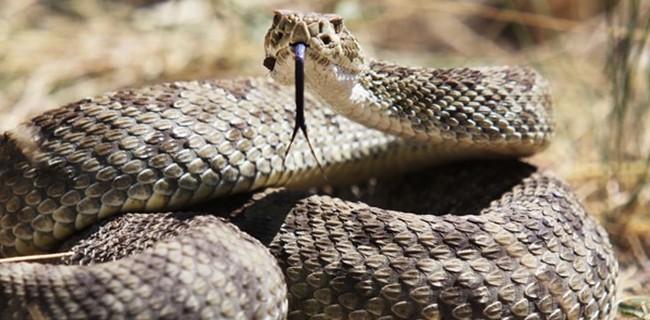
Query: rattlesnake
(504, 240)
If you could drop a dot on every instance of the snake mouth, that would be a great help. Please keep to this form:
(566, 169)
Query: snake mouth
(269, 63)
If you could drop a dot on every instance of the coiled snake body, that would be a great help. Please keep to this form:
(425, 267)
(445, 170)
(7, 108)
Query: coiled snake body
(500, 240)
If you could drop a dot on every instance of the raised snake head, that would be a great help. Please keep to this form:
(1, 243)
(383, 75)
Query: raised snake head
(332, 54)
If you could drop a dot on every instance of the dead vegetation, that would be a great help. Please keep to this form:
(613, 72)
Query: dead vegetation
(595, 54)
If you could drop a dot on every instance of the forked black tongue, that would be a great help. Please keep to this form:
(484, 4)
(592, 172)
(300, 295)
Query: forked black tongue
(299, 122)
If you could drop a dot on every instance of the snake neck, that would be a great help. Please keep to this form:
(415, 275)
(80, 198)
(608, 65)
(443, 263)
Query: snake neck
(503, 109)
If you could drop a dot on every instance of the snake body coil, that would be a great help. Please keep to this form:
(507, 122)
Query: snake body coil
(504, 240)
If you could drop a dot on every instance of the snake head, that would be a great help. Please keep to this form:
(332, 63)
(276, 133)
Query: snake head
(332, 51)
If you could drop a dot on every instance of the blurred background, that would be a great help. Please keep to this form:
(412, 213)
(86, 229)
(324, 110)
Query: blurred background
(595, 54)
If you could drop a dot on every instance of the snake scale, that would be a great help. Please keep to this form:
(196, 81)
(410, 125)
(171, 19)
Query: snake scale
(491, 239)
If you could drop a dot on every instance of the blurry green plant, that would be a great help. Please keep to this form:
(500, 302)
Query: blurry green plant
(627, 143)
(628, 140)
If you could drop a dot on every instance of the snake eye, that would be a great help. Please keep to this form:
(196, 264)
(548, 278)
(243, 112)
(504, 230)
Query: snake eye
(269, 63)
(337, 23)
(276, 18)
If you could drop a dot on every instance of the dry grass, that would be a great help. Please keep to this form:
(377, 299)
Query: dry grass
(596, 57)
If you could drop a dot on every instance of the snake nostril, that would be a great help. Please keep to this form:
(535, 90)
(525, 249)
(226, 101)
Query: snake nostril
(326, 39)
(278, 36)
